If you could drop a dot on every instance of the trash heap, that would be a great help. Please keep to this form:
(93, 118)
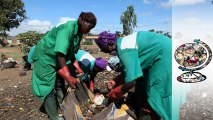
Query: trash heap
(8, 62)
(80, 104)
(92, 108)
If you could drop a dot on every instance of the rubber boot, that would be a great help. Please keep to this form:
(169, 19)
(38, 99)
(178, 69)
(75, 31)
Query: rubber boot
(60, 90)
(60, 98)
(51, 108)
(42, 109)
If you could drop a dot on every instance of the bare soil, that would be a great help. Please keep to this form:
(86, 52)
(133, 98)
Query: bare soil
(16, 99)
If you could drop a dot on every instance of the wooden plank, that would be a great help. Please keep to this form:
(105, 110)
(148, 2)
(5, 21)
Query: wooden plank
(89, 93)
(81, 94)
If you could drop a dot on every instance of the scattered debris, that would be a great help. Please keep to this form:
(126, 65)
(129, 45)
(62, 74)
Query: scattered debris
(99, 98)
(1, 89)
(21, 109)
(7, 62)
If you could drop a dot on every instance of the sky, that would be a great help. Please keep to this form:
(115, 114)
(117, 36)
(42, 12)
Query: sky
(45, 14)
(192, 19)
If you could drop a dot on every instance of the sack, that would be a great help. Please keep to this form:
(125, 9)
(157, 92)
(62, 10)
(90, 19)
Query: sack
(9, 64)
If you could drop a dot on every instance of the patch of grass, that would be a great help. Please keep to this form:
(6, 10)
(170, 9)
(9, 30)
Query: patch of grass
(12, 52)
(14, 55)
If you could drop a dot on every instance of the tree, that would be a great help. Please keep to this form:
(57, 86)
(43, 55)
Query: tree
(129, 20)
(28, 39)
(152, 30)
(161, 32)
(118, 33)
(12, 13)
(168, 34)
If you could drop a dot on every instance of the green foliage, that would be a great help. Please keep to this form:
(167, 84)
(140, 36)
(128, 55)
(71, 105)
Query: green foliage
(129, 20)
(28, 39)
(118, 33)
(161, 32)
(152, 30)
(12, 13)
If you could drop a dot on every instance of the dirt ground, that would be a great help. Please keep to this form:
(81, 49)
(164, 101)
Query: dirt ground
(18, 103)
(16, 99)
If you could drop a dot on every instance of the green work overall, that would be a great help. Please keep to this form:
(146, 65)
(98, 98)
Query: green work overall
(149, 55)
(63, 38)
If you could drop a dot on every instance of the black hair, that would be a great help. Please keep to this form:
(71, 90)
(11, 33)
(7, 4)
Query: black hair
(88, 17)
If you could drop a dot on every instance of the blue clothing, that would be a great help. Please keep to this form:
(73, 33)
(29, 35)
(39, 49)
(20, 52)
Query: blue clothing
(30, 54)
(86, 61)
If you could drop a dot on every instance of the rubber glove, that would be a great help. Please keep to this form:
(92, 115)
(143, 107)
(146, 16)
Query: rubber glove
(91, 86)
(80, 71)
(64, 72)
(116, 93)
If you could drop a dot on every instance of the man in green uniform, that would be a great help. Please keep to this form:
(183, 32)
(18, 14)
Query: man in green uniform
(146, 58)
(51, 53)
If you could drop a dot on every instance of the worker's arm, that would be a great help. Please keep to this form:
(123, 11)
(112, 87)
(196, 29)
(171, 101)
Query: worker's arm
(76, 65)
(62, 45)
(118, 80)
(61, 59)
(133, 71)
(118, 92)
(64, 70)
(92, 81)
(127, 86)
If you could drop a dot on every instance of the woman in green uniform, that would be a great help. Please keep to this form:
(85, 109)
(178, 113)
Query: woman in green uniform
(51, 53)
(146, 58)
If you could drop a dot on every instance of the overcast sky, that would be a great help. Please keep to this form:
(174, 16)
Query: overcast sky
(192, 19)
(44, 14)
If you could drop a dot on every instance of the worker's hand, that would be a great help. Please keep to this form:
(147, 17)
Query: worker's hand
(91, 86)
(110, 84)
(79, 70)
(116, 93)
(72, 81)
(64, 73)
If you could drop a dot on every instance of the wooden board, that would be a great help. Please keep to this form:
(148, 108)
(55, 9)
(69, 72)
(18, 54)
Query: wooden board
(81, 94)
